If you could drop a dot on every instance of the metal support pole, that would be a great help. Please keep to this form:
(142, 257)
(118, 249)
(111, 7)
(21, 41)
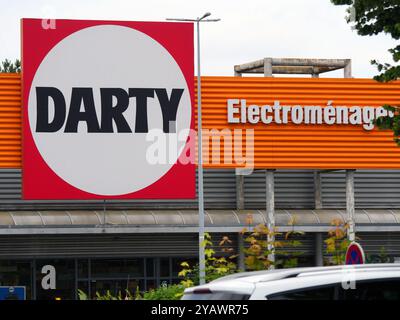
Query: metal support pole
(270, 213)
(319, 261)
(241, 263)
(347, 69)
(239, 178)
(267, 67)
(239, 192)
(350, 207)
(202, 263)
(317, 190)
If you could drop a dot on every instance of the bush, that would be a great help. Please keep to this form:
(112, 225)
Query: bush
(165, 292)
(337, 243)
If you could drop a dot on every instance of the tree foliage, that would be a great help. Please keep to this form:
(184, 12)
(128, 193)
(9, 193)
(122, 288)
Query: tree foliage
(7, 66)
(337, 243)
(372, 17)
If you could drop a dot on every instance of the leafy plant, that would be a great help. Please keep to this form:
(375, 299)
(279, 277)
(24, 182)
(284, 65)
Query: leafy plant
(382, 257)
(260, 247)
(216, 266)
(82, 295)
(165, 292)
(337, 242)
(288, 258)
(108, 296)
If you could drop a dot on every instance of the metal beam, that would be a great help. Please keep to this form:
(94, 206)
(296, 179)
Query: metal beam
(239, 192)
(350, 204)
(239, 179)
(270, 211)
(116, 229)
(339, 63)
(347, 69)
(292, 70)
(319, 256)
(317, 190)
(241, 263)
(267, 67)
(294, 62)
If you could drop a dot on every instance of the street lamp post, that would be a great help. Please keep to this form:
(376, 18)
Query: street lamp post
(200, 188)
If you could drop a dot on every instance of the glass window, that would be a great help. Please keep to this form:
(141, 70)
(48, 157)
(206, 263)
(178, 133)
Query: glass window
(83, 268)
(164, 267)
(383, 289)
(65, 280)
(150, 266)
(117, 268)
(17, 273)
(317, 293)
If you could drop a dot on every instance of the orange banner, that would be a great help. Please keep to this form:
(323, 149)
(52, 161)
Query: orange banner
(299, 122)
(340, 137)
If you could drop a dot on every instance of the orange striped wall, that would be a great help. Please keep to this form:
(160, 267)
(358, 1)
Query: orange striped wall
(10, 120)
(276, 146)
(307, 146)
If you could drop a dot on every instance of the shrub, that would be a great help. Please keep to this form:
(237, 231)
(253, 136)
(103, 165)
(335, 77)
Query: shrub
(337, 242)
(165, 292)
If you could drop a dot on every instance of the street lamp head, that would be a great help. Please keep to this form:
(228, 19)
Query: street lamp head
(207, 14)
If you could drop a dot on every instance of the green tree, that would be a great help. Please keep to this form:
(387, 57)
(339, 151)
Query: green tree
(7, 66)
(372, 17)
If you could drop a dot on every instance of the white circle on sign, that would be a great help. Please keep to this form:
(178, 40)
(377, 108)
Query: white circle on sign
(108, 56)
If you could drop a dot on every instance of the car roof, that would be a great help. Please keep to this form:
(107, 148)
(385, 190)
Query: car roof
(246, 282)
(277, 274)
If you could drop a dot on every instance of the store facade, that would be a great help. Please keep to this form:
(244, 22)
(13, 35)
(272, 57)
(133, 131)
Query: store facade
(291, 153)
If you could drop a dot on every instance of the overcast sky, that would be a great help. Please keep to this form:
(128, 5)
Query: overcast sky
(249, 30)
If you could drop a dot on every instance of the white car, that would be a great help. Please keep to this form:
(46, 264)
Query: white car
(351, 282)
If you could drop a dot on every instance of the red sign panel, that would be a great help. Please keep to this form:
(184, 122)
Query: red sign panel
(107, 109)
(355, 254)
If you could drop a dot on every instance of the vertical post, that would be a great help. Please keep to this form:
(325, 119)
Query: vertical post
(317, 190)
(350, 204)
(104, 212)
(267, 67)
(241, 264)
(239, 178)
(318, 250)
(33, 279)
(270, 213)
(239, 191)
(202, 263)
(347, 69)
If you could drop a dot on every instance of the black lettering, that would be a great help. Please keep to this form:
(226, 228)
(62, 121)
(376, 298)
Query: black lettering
(110, 112)
(141, 124)
(79, 96)
(43, 123)
(169, 107)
